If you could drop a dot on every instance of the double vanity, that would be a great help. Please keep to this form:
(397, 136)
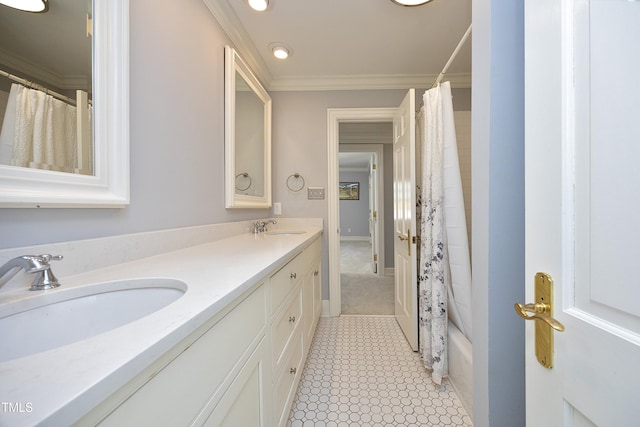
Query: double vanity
(211, 334)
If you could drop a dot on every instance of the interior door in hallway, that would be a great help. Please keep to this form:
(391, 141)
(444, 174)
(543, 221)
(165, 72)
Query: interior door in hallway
(404, 219)
(582, 201)
(373, 212)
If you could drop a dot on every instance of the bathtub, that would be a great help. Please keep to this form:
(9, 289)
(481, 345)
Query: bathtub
(461, 366)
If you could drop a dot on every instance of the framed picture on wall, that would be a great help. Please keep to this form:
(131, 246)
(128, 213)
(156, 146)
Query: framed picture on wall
(349, 191)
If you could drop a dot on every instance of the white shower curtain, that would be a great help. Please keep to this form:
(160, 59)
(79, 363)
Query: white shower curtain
(43, 132)
(440, 212)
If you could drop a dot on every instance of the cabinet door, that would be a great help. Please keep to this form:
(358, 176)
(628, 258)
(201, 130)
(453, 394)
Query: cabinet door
(245, 403)
(312, 302)
(196, 378)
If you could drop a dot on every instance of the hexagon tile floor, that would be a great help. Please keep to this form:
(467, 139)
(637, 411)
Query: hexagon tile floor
(361, 372)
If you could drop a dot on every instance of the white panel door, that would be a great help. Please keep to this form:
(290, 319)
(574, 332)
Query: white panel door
(404, 219)
(373, 211)
(582, 150)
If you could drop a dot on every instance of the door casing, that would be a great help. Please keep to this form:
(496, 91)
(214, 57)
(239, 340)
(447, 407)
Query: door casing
(335, 116)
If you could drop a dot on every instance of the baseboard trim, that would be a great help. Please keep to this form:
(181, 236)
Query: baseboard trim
(326, 312)
(390, 272)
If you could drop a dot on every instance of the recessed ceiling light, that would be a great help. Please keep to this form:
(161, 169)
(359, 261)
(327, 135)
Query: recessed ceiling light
(410, 2)
(259, 5)
(27, 5)
(280, 52)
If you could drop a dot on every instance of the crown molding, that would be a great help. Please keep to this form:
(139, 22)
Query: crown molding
(228, 20)
(364, 82)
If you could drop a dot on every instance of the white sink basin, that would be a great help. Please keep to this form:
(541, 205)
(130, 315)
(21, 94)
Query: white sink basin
(284, 232)
(64, 316)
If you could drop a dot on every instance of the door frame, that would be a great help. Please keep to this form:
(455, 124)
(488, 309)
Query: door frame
(335, 116)
(378, 150)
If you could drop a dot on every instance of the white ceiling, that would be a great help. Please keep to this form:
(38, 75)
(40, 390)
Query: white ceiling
(350, 44)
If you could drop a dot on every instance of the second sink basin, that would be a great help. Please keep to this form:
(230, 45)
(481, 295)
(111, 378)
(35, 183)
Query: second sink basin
(53, 319)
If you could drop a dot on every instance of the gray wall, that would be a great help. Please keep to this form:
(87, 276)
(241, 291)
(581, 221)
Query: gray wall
(498, 213)
(300, 145)
(354, 214)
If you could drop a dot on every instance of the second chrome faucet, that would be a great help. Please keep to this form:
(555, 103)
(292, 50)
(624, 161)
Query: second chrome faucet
(261, 226)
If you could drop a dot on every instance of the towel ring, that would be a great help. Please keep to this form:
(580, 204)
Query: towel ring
(245, 175)
(295, 182)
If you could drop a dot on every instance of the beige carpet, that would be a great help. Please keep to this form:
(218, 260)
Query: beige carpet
(362, 291)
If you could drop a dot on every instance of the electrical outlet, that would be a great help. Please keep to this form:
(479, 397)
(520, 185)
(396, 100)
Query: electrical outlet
(277, 208)
(315, 193)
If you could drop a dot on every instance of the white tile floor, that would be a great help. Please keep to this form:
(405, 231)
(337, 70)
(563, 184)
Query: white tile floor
(361, 372)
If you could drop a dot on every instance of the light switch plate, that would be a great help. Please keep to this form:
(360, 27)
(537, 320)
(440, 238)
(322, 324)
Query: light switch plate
(315, 193)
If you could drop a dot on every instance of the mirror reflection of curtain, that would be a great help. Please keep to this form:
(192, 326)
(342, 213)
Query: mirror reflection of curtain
(39, 131)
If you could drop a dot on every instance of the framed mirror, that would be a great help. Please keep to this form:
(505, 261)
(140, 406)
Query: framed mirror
(247, 136)
(98, 174)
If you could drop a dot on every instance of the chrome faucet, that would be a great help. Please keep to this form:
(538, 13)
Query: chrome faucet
(261, 226)
(34, 264)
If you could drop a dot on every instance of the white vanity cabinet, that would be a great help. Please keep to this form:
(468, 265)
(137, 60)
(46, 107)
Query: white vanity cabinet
(228, 356)
(240, 369)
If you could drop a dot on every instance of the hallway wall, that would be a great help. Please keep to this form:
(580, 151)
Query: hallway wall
(354, 214)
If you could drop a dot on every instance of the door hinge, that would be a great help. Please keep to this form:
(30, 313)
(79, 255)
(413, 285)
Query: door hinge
(375, 214)
(375, 258)
(373, 166)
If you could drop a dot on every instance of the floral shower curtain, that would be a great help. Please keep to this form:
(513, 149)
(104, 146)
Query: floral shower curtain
(433, 264)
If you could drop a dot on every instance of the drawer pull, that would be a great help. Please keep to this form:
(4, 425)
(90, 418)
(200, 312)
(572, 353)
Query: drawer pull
(293, 275)
(315, 273)
(292, 319)
(293, 371)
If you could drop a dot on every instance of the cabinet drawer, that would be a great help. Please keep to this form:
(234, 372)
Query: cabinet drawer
(284, 388)
(284, 326)
(181, 389)
(284, 281)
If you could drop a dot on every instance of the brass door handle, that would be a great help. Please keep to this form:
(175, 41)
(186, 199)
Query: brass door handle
(542, 310)
(408, 239)
(538, 310)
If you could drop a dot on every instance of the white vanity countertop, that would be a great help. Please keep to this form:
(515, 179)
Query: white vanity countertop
(59, 386)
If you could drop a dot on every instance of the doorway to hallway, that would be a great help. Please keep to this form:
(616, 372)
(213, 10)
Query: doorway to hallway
(364, 288)
(363, 292)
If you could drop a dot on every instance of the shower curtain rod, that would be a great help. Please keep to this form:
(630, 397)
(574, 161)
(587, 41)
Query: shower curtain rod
(453, 56)
(36, 86)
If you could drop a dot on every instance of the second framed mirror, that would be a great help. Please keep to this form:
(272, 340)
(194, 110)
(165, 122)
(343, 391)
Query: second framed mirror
(247, 136)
